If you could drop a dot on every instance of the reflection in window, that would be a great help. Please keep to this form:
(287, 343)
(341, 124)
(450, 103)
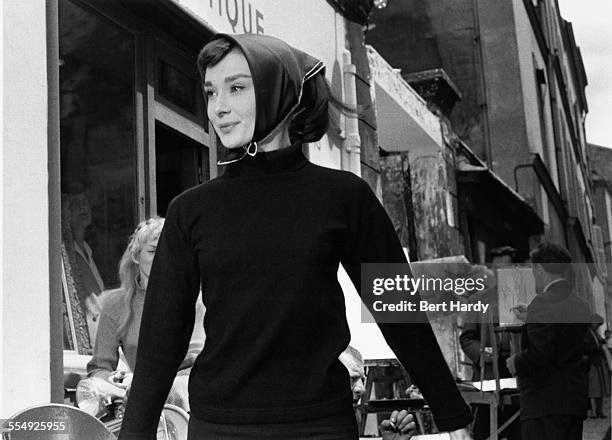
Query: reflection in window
(98, 156)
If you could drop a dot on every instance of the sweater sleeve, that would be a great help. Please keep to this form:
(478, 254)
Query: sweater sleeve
(372, 239)
(106, 350)
(166, 326)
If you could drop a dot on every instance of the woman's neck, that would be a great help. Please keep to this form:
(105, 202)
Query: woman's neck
(141, 281)
(78, 234)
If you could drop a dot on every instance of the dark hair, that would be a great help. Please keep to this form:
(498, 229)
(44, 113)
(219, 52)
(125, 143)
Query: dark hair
(310, 120)
(553, 257)
(212, 53)
(503, 250)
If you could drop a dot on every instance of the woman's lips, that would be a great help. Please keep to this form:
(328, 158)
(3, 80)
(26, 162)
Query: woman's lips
(225, 128)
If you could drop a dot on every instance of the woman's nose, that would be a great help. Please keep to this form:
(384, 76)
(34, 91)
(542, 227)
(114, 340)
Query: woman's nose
(220, 105)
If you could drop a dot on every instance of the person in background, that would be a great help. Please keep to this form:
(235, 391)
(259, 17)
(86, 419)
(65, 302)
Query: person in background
(599, 373)
(470, 338)
(400, 423)
(476, 342)
(608, 338)
(549, 368)
(353, 361)
(78, 212)
(607, 348)
(121, 313)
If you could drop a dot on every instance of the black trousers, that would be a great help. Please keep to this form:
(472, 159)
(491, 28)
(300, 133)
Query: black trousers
(341, 427)
(558, 427)
(481, 427)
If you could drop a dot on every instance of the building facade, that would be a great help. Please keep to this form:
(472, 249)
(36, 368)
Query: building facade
(522, 111)
(600, 161)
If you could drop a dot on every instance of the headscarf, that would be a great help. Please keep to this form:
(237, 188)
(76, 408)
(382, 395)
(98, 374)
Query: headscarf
(279, 72)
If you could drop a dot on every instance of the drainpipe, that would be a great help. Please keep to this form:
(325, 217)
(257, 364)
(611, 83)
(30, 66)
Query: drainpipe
(484, 100)
(352, 142)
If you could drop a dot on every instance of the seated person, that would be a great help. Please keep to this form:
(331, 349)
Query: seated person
(352, 360)
(121, 314)
(78, 218)
(400, 423)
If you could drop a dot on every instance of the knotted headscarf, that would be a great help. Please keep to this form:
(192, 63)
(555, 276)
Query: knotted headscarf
(279, 72)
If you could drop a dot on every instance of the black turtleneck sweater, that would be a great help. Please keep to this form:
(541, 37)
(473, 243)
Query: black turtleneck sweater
(265, 240)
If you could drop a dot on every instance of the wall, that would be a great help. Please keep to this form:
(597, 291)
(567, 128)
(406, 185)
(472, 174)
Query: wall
(439, 34)
(24, 288)
(539, 139)
(505, 103)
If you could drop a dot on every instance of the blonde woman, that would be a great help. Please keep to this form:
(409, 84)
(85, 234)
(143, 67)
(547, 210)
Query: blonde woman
(121, 313)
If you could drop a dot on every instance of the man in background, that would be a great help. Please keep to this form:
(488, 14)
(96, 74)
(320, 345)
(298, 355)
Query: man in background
(353, 361)
(552, 378)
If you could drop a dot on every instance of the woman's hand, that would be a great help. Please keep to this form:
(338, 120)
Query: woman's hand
(398, 426)
(460, 434)
(121, 379)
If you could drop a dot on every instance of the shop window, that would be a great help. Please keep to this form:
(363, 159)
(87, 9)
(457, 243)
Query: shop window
(98, 161)
(177, 87)
(133, 135)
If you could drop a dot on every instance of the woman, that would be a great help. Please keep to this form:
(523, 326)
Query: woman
(121, 313)
(599, 374)
(265, 240)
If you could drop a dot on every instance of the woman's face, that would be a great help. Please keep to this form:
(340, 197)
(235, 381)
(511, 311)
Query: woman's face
(230, 93)
(80, 211)
(145, 259)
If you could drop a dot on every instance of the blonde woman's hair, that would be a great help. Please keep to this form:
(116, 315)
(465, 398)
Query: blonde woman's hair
(128, 269)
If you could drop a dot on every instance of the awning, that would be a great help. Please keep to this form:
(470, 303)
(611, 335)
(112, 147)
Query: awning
(403, 120)
(495, 204)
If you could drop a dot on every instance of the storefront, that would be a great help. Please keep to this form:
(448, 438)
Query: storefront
(107, 126)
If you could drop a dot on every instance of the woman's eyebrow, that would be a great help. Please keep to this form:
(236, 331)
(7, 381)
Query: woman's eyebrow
(229, 78)
(236, 76)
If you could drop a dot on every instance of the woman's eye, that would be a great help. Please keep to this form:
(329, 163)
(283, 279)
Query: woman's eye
(237, 88)
(209, 92)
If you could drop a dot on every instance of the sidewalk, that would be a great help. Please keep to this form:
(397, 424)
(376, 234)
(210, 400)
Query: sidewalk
(595, 429)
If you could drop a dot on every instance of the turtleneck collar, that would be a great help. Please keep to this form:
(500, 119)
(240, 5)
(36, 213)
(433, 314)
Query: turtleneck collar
(286, 159)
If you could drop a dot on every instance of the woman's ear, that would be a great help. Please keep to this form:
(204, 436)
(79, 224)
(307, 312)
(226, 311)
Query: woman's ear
(134, 259)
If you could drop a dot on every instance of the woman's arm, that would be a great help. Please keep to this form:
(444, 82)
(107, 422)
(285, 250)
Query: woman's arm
(166, 326)
(196, 343)
(106, 349)
(372, 239)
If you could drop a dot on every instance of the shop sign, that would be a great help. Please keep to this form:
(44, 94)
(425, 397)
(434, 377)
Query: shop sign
(240, 14)
(229, 16)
